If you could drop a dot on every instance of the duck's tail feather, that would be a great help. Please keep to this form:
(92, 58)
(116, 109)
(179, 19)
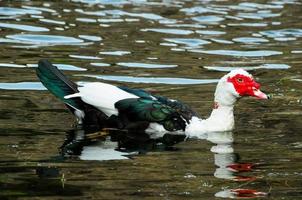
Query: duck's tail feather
(58, 84)
(67, 91)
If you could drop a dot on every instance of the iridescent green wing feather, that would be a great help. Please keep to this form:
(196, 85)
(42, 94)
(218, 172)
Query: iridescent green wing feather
(184, 110)
(57, 83)
(140, 109)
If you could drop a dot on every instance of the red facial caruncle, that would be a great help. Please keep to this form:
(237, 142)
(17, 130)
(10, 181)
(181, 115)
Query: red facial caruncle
(246, 86)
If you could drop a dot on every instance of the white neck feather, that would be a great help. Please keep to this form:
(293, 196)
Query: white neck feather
(222, 117)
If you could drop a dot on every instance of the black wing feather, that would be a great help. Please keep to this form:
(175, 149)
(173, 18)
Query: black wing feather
(140, 109)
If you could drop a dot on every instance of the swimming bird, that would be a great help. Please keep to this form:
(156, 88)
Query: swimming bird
(101, 105)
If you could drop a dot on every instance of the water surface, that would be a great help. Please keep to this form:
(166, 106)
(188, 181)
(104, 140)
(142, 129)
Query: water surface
(174, 48)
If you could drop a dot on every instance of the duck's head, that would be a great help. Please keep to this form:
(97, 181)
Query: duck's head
(237, 83)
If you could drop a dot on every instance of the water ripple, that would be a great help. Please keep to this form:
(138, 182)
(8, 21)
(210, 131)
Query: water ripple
(23, 27)
(201, 10)
(114, 20)
(85, 57)
(66, 67)
(11, 65)
(210, 32)
(264, 66)
(60, 66)
(282, 33)
(210, 19)
(91, 38)
(221, 41)
(115, 53)
(109, 2)
(145, 65)
(250, 40)
(156, 80)
(119, 13)
(169, 31)
(248, 24)
(191, 42)
(258, 15)
(95, 13)
(150, 16)
(43, 40)
(22, 86)
(18, 11)
(261, 6)
(186, 25)
(296, 51)
(100, 64)
(40, 9)
(256, 53)
(51, 21)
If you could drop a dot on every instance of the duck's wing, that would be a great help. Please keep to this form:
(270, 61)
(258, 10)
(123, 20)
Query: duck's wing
(184, 110)
(150, 110)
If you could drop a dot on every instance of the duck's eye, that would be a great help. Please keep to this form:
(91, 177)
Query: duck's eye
(239, 80)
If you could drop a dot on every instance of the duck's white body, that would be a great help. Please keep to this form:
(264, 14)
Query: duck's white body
(102, 96)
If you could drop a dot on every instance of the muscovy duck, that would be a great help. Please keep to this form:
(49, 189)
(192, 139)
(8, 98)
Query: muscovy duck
(102, 106)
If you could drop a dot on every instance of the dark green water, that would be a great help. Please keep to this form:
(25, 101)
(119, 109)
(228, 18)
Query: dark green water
(174, 48)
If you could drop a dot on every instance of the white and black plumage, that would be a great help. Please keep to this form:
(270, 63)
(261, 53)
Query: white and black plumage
(103, 105)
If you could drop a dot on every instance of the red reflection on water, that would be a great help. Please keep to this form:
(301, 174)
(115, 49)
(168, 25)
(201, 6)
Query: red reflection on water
(244, 178)
(240, 193)
(241, 167)
(247, 193)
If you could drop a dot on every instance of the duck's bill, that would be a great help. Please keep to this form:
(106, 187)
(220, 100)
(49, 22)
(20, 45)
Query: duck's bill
(260, 95)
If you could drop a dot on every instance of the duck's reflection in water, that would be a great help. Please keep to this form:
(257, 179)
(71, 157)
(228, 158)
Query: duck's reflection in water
(105, 150)
(229, 167)
(227, 162)
(112, 144)
(240, 194)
